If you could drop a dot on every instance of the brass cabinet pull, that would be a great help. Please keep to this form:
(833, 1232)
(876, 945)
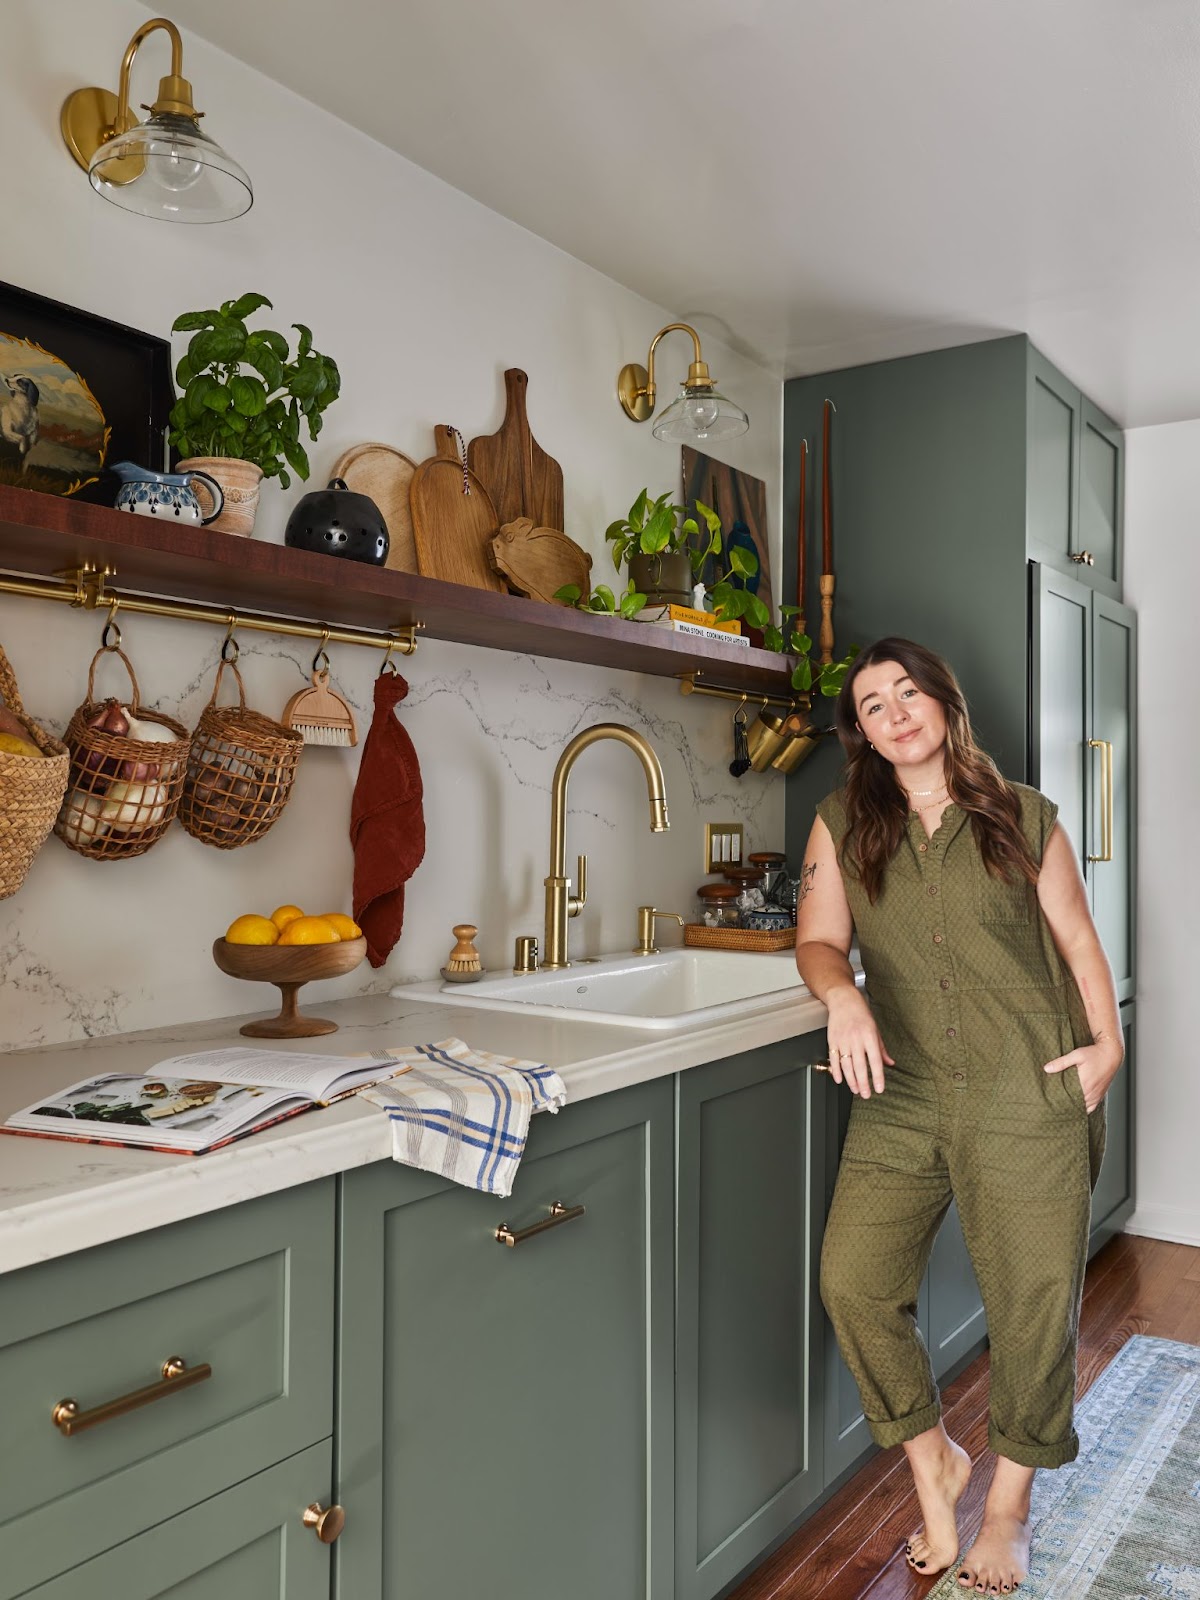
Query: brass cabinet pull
(558, 1213)
(326, 1523)
(176, 1375)
(820, 1066)
(1107, 808)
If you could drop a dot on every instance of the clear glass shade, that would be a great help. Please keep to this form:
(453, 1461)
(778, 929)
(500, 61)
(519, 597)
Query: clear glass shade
(167, 168)
(700, 414)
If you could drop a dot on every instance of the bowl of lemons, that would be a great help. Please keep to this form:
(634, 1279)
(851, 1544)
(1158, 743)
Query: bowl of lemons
(289, 949)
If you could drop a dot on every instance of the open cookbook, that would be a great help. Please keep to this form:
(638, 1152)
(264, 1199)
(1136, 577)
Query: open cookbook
(193, 1103)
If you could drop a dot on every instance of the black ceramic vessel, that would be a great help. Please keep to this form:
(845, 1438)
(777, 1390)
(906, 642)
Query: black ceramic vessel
(338, 522)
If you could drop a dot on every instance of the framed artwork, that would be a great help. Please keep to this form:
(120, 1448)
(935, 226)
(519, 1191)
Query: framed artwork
(77, 392)
(741, 503)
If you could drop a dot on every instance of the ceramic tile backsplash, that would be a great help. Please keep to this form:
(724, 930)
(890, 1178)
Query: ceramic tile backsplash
(91, 947)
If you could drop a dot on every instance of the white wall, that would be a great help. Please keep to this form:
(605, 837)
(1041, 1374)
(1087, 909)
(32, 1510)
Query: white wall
(423, 297)
(1162, 578)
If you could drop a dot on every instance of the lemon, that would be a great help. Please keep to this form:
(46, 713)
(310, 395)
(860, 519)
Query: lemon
(309, 930)
(252, 930)
(282, 915)
(345, 927)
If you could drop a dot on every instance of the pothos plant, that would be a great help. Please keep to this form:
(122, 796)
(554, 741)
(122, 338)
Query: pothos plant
(602, 599)
(243, 394)
(660, 528)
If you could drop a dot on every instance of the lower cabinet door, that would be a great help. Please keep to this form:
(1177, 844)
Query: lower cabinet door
(247, 1543)
(1112, 1198)
(847, 1436)
(748, 1442)
(505, 1412)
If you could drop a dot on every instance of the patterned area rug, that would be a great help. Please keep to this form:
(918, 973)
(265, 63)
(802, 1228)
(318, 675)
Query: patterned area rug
(1122, 1521)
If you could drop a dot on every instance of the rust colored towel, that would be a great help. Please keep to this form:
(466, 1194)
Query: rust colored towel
(387, 822)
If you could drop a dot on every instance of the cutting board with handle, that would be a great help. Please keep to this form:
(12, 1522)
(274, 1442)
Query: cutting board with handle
(453, 529)
(385, 475)
(521, 478)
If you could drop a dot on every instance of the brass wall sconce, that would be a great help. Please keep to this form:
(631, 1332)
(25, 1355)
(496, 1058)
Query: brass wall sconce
(165, 168)
(699, 413)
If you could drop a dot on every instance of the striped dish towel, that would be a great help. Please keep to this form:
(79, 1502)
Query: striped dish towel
(463, 1113)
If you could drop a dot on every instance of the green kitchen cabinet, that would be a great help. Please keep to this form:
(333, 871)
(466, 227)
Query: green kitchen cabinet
(246, 1291)
(1112, 1198)
(505, 1412)
(247, 1543)
(1083, 754)
(748, 1446)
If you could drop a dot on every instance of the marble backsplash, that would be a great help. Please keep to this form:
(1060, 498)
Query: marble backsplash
(90, 948)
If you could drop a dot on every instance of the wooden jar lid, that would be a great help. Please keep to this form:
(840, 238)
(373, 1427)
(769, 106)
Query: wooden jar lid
(718, 891)
(766, 858)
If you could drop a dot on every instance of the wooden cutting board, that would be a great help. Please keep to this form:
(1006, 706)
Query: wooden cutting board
(386, 475)
(452, 529)
(521, 478)
(538, 561)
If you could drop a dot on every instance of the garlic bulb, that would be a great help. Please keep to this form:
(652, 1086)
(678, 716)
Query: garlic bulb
(136, 806)
(82, 817)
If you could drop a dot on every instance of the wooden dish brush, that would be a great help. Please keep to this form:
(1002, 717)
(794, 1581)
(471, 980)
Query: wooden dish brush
(463, 964)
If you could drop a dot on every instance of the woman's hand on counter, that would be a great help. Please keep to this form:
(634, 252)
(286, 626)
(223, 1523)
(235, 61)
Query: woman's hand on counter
(857, 1053)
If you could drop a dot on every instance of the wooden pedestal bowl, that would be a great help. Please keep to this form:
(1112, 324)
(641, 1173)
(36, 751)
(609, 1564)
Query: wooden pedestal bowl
(288, 966)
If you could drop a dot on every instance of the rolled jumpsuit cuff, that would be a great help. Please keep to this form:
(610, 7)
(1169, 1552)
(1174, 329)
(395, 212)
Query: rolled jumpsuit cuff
(1034, 1455)
(896, 1432)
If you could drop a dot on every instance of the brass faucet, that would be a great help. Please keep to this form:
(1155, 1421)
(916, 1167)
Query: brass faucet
(561, 904)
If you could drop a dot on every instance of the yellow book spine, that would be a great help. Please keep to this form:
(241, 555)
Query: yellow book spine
(702, 619)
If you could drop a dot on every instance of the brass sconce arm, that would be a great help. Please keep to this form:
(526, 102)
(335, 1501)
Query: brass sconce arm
(635, 384)
(91, 118)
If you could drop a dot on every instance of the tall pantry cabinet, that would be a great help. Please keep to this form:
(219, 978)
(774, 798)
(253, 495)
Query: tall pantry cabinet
(977, 500)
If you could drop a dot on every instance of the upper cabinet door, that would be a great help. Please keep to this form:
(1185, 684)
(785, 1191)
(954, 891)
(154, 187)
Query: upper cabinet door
(1060, 699)
(1053, 408)
(1101, 500)
(1113, 764)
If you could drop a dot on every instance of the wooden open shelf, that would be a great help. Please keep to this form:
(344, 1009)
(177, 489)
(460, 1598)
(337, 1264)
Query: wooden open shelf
(44, 535)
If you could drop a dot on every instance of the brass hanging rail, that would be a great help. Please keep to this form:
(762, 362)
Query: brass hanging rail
(88, 587)
(792, 701)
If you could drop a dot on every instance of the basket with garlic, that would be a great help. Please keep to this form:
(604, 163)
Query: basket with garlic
(127, 773)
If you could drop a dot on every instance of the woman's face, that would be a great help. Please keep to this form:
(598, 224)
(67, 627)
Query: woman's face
(906, 725)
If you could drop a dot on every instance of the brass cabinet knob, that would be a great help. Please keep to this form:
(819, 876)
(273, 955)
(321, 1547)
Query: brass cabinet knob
(327, 1524)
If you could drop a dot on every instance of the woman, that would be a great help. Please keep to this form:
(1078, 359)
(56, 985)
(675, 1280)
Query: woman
(993, 1010)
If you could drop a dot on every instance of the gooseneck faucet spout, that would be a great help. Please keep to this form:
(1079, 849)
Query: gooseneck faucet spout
(560, 903)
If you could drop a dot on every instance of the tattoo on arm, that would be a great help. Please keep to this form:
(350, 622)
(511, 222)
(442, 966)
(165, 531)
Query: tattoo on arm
(806, 882)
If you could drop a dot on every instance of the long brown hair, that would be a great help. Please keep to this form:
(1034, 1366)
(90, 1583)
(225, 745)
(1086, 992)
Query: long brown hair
(876, 806)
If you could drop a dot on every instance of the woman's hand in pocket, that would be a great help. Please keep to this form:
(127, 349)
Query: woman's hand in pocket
(857, 1052)
(1097, 1066)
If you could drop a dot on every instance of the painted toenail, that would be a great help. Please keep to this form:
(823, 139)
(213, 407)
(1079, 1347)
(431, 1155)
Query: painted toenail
(920, 1563)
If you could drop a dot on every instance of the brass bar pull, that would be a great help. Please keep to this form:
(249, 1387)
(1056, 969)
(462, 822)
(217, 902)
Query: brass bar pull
(176, 1374)
(1107, 809)
(820, 1066)
(558, 1213)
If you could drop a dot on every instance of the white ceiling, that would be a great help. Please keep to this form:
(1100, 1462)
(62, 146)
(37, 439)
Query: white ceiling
(822, 182)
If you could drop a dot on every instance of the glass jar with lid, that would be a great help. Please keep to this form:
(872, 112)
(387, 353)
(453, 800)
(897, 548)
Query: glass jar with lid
(716, 905)
(748, 881)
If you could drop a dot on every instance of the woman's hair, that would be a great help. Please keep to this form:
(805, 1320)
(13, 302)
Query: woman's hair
(876, 806)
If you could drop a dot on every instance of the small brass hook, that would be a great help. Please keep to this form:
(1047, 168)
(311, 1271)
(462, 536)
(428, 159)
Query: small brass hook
(322, 654)
(389, 667)
(230, 644)
(111, 626)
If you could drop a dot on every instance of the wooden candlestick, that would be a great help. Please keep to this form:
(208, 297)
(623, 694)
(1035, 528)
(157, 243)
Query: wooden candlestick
(826, 641)
(826, 498)
(802, 542)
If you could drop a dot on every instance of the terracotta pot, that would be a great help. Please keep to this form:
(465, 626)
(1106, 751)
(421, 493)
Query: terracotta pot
(665, 579)
(240, 482)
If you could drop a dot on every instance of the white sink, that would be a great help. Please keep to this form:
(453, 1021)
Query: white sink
(674, 989)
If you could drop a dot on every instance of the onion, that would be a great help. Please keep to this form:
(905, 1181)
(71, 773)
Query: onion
(82, 820)
(111, 718)
(135, 806)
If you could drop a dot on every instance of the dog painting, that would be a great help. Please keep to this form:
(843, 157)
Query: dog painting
(77, 393)
(53, 434)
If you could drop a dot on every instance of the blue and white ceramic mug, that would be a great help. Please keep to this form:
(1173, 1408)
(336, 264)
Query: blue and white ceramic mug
(166, 494)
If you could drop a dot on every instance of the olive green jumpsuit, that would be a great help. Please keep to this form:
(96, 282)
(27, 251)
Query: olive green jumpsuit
(971, 998)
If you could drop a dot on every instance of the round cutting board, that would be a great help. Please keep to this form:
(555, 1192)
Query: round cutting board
(386, 475)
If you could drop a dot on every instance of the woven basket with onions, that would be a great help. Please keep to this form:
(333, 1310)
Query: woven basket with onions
(240, 771)
(127, 772)
(31, 786)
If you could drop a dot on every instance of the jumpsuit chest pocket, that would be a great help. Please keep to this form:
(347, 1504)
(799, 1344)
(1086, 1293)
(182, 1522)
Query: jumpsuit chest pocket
(999, 901)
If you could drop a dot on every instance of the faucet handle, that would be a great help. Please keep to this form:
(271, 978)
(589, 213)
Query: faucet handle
(646, 915)
(576, 902)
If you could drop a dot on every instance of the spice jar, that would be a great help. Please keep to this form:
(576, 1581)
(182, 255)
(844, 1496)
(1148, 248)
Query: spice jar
(749, 883)
(773, 863)
(716, 905)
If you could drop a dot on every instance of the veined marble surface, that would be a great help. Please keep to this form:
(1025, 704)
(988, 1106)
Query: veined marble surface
(57, 1197)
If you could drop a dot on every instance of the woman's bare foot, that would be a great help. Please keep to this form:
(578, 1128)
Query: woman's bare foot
(940, 1470)
(999, 1558)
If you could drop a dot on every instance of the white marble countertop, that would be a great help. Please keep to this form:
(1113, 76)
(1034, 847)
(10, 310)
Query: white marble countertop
(59, 1197)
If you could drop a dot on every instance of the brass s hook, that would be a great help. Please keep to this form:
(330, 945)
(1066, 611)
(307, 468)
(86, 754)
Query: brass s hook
(111, 626)
(230, 649)
(322, 654)
(389, 667)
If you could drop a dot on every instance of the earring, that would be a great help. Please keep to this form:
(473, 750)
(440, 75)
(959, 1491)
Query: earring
(869, 742)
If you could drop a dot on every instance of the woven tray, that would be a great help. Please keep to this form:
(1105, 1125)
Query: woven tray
(704, 938)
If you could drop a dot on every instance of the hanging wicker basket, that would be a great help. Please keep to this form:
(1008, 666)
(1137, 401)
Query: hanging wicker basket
(240, 771)
(31, 789)
(123, 791)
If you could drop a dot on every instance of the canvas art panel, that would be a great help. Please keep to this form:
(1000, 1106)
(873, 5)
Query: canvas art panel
(741, 503)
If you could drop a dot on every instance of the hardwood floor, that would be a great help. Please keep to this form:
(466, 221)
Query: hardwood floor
(854, 1546)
